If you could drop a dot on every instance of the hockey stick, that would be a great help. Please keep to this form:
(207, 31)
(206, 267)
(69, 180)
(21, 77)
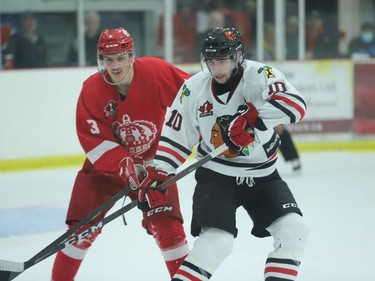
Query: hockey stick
(52, 246)
(84, 221)
(10, 269)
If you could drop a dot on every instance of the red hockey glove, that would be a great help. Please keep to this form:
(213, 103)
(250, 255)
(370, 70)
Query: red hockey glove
(148, 189)
(132, 171)
(236, 130)
(246, 117)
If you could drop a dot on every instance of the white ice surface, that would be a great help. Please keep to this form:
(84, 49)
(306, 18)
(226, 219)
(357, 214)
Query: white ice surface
(335, 191)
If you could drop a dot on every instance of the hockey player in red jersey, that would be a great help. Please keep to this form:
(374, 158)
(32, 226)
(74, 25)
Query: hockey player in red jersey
(237, 102)
(119, 116)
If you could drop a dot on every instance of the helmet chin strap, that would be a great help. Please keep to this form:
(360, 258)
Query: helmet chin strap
(238, 60)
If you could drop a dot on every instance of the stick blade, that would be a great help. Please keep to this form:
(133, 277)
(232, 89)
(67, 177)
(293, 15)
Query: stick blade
(10, 269)
(6, 275)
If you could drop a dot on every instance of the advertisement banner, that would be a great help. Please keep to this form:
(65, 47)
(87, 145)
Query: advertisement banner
(327, 86)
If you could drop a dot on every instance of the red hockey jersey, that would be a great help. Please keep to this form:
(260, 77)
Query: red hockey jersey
(111, 127)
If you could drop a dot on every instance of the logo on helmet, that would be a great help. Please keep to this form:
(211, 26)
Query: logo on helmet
(111, 45)
(230, 35)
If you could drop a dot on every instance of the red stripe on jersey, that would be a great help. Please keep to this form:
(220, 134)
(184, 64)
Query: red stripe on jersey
(172, 152)
(281, 270)
(291, 103)
(188, 275)
(272, 157)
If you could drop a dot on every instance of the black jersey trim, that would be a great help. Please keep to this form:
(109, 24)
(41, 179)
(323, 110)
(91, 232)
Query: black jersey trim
(260, 125)
(167, 160)
(200, 150)
(176, 145)
(197, 269)
(283, 261)
(272, 145)
(283, 109)
(247, 166)
(298, 98)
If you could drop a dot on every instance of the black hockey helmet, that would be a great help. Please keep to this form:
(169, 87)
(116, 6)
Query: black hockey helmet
(222, 42)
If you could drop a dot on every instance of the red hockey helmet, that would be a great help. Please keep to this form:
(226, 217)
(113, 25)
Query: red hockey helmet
(113, 41)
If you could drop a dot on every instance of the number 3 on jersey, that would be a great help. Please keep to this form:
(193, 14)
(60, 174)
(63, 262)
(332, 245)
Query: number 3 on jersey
(94, 127)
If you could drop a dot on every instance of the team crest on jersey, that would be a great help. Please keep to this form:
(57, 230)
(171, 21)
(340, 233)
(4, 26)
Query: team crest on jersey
(267, 70)
(217, 137)
(185, 93)
(111, 108)
(206, 109)
(135, 135)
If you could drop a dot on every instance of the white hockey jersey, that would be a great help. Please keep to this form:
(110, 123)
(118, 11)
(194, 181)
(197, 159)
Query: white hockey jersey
(193, 114)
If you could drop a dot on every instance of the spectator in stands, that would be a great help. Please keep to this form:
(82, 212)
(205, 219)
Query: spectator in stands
(184, 22)
(92, 33)
(203, 15)
(237, 16)
(26, 47)
(269, 45)
(251, 11)
(291, 39)
(184, 36)
(6, 31)
(216, 18)
(364, 45)
(319, 43)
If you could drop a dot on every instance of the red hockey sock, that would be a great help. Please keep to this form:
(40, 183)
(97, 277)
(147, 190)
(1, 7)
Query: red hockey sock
(68, 261)
(171, 239)
(65, 268)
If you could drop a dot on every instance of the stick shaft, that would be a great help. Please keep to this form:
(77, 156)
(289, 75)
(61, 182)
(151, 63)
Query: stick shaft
(10, 269)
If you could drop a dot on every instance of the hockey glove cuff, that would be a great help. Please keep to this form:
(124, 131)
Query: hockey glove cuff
(132, 171)
(149, 191)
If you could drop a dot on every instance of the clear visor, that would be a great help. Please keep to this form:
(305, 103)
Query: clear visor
(219, 66)
(216, 66)
(204, 66)
(116, 60)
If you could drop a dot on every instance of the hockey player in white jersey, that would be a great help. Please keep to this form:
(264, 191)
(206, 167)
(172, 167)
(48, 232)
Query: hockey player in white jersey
(237, 102)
